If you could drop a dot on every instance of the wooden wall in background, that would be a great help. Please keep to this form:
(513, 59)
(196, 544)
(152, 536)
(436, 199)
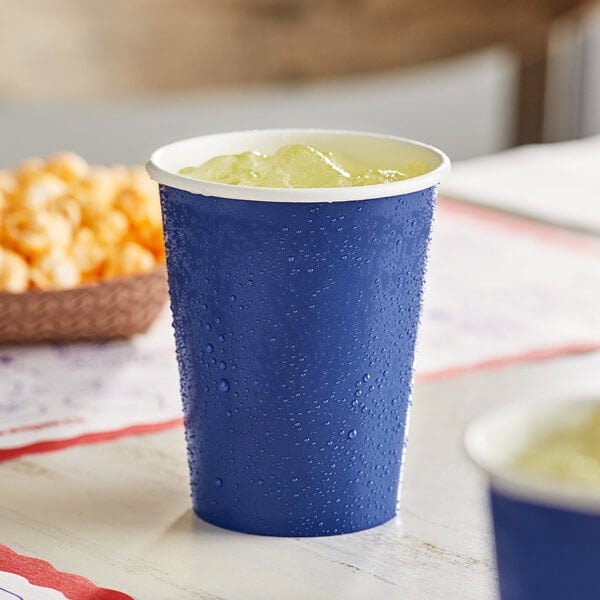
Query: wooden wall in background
(78, 49)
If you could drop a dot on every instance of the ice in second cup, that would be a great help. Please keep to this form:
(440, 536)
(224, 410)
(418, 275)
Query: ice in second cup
(568, 456)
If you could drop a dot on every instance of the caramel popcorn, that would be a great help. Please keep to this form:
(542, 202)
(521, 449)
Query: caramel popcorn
(64, 223)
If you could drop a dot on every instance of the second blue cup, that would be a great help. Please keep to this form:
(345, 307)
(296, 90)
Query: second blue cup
(295, 314)
(546, 528)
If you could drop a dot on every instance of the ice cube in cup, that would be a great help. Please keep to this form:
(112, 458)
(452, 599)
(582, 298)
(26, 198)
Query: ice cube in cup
(298, 166)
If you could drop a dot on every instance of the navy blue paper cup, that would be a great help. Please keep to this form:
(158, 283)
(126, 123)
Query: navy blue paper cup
(295, 315)
(547, 534)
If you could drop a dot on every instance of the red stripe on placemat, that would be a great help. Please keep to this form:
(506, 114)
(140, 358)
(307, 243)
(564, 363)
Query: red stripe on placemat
(547, 233)
(41, 573)
(505, 361)
(87, 438)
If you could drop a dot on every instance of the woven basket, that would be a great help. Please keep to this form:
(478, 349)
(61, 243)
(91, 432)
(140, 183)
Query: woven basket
(118, 308)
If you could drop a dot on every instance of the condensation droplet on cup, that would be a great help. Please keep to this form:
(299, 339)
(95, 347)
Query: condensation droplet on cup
(224, 385)
(352, 433)
(218, 482)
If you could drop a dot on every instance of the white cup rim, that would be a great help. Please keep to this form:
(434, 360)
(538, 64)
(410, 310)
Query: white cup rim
(514, 421)
(160, 167)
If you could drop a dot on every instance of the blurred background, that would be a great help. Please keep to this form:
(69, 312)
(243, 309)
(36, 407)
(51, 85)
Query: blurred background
(115, 79)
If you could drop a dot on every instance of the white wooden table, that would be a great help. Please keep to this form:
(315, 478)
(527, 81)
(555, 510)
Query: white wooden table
(118, 512)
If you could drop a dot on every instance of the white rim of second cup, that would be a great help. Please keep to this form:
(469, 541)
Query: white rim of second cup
(514, 422)
(165, 163)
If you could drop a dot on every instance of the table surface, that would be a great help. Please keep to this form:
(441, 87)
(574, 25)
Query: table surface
(119, 513)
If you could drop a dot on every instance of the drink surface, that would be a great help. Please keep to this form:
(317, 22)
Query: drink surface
(571, 456)
(298, 166)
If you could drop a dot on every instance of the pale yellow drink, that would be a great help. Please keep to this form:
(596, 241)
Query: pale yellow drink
(298, 166)
(571, 456)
